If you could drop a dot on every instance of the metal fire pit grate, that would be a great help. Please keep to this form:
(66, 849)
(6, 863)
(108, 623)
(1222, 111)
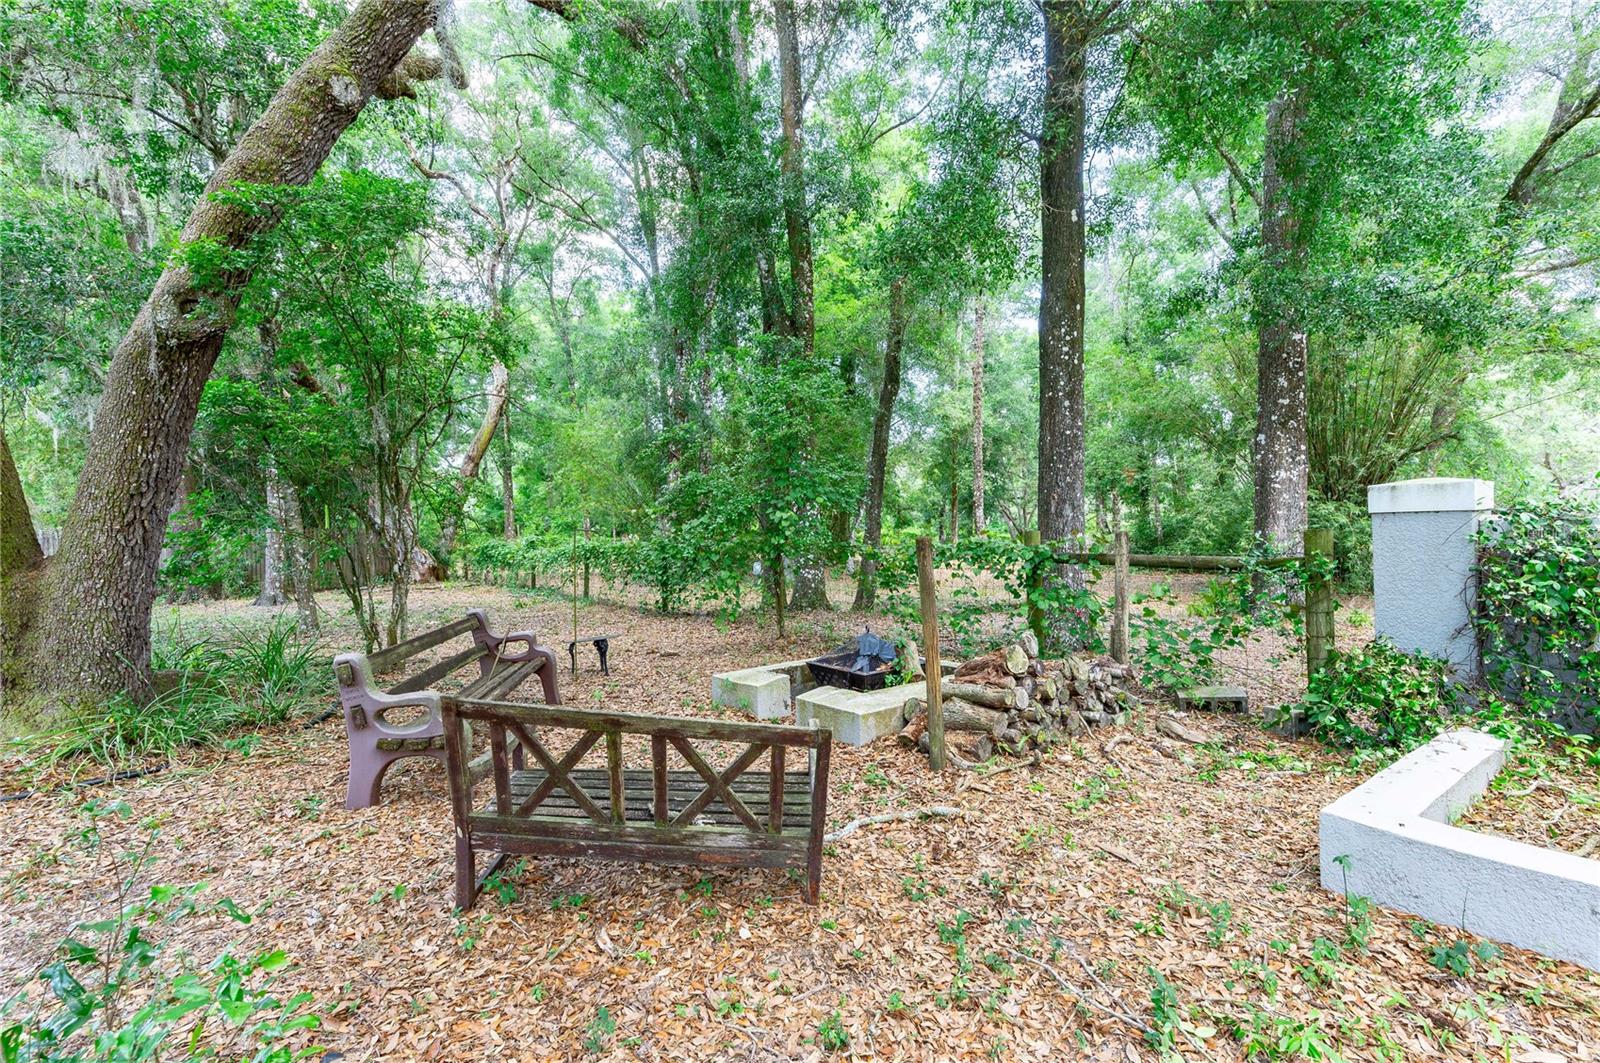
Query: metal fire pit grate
(861, 664)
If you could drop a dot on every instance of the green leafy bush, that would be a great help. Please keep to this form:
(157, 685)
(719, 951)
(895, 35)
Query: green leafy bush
(1379, 697)
(1538, 609)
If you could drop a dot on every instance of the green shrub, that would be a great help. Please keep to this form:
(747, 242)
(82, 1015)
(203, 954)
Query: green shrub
(1379, 697)
(206, 689)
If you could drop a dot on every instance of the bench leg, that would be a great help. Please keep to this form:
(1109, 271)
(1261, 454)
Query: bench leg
(367, 768)
(603, 645)
(572, 652)
(466, 880)
(547, 679)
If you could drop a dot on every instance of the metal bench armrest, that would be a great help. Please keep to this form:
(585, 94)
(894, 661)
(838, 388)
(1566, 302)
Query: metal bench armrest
(365, 706)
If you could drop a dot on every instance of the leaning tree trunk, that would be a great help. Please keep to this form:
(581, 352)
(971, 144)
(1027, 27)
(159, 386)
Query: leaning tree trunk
(878, 457)
(1061, 293)
(98, 590)
(1279, 449)
(979, 518)
(499, 392)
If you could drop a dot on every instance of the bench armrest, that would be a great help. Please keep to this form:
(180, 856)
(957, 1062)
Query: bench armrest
(497, 643)
(365, 706)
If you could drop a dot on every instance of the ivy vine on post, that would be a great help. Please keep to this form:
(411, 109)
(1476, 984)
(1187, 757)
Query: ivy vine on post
(1538, 609)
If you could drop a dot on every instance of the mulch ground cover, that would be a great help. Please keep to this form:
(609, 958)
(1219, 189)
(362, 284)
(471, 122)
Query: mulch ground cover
(1547, 796)
(1110, 900)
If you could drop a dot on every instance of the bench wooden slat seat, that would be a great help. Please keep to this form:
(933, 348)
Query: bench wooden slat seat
(732, 816)
(504, 663)
(753, 788)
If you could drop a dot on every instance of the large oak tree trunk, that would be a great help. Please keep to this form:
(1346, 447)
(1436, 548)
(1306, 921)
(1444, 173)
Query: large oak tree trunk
(1061, 295)
(98, 590)
(1280, 450)
(20, 559)
(878, 456)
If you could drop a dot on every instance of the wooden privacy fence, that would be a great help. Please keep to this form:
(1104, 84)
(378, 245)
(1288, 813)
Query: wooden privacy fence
(1319, 604)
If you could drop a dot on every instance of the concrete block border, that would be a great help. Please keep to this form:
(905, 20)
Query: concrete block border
(1403, 853)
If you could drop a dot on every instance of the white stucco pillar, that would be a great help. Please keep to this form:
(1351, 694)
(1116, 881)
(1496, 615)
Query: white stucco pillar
(1423, 553)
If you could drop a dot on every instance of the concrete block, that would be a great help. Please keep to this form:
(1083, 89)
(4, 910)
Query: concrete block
(1436, 494)
(1423, 553)
(1230, 699)
(854, 717)
(1403, 853)
(764, 691)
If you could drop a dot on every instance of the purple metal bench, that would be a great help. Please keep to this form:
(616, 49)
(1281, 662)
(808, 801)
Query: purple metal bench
(377, 742)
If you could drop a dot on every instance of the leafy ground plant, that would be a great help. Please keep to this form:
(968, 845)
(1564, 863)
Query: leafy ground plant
(115, 993)
(1379, 697)
(250, 677)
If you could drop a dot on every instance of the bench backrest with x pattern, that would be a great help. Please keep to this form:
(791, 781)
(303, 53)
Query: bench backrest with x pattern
(545, 803)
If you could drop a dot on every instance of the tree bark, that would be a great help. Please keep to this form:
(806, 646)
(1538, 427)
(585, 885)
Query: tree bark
(297, 557)
(878, 456)
(1061, 296)
(19, 544)
(98, 590)
(272, 556)
(810, 576)
(499, 392)
(1280, 449)
(796, 220)
(20, 560)
(508, 485)
(979, 518)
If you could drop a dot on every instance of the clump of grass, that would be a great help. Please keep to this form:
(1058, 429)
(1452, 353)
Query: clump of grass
(206, 689)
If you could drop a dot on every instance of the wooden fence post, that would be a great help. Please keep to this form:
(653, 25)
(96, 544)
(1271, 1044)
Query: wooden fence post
(1319, 598)
(1120, 597)
(1030, 537)
(930, 645)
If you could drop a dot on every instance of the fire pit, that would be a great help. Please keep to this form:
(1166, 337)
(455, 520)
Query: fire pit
(864, 663)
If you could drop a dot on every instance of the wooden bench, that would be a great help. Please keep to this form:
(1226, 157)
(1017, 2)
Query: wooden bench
(602, 646)
(732, 817)
(376, 742)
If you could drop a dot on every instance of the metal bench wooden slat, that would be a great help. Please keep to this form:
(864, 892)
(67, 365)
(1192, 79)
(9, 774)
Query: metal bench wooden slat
(501, 680)
(386, 659)
(435, 672)
(734, 816)
(639, 793)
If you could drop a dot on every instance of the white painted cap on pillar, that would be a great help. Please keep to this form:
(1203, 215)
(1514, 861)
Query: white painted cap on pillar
(1436, 494)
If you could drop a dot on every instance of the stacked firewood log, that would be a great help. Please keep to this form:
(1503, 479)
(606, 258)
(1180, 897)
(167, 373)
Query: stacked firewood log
(1012, 700)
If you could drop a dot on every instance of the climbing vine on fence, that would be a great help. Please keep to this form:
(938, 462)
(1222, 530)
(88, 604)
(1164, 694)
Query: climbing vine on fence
(1538, 609)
